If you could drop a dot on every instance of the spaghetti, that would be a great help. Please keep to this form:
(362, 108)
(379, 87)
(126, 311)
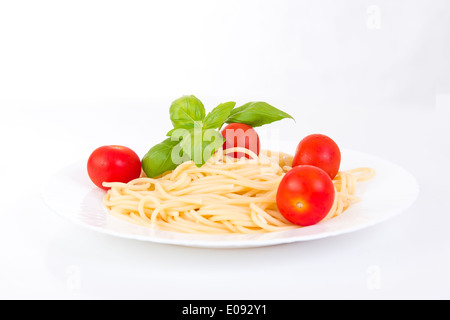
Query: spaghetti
(225, 195)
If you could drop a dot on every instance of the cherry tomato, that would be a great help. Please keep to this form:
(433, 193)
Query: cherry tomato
(240, 135)
(320, 151)
(113, 164)
(305, 195)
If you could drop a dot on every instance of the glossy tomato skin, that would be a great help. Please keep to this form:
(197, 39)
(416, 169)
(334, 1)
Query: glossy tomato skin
(305, 195)
(113, 164)
(320, 151)
(243, 136)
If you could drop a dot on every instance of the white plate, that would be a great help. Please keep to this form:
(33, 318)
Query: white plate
(72, 195)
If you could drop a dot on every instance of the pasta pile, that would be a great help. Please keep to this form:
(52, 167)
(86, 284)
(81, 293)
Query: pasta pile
(225, 195)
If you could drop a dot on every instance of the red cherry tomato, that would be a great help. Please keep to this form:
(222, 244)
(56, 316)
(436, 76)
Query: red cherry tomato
(113, 164)
(305, 195)
(320, 151)
(240, 135)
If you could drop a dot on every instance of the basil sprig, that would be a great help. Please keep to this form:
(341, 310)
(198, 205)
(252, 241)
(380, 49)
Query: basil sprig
(195, 135)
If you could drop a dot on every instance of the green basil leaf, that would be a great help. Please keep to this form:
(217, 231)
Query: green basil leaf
(256, 114)
(169, 134)
(217, 117)
(185, 111)
(212, 142)
(196, 124)
(199, 145)
(159, 160)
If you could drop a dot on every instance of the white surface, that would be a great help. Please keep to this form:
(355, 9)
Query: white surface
(76, 76)
(72, 195)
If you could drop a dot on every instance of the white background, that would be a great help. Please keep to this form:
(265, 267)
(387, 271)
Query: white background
(74, 75)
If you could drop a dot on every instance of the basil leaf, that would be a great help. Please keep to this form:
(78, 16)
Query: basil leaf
(217, 117)
(256, 114)
(185, 111)
(212, 142)
(196, 124)
(199, 145)
(169, 134)
(159, 160)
